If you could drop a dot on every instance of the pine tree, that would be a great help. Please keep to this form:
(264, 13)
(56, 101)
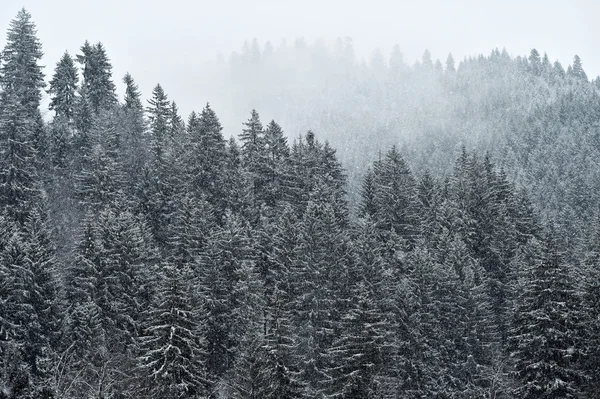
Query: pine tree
(123, 274)
(176, 124)
(227, 250)
(18, 175)
(207, 156)
(63, 88)
(21, 81)
(358, 353)
(237, 187)
(280, 240)
(42, 338)
(97, 86)
(21, 78)
(546, 343)
(253, 156)
(102, 175)
(367, 206)
(317, 176)
(14, 367)
(395, 196)
(84, 326)
(156, 189)
(590, 288)
(450, 68)
(134, 150)
(577, 71)
(159, 113)
(318, 277)
(276, 173)
(172, 348)
(251, 373)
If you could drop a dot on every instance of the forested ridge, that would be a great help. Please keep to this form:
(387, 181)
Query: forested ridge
(144, 256)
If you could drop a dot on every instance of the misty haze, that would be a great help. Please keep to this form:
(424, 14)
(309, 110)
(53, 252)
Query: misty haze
(313, 200)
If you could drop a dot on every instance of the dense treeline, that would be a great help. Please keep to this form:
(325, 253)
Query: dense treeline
(145, 256)
(538, 119)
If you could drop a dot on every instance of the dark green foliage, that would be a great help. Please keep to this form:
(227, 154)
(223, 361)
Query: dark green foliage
(97, 87)
(21, 81)
(207, 157)
(225, 256)
(176, 264)
(546, 337)
(63, 88)
(393, 195)
(171, 360)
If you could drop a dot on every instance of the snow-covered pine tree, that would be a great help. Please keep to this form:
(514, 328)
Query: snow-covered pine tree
(254, 159)
(21, 81)
(97, 86)
(172, 359)
(277, 171)
(63, 88)
(134, 151)
(206, 157)
(227, 250)
(590, 295)
(395, 196)
(156, 190)
(546, 337)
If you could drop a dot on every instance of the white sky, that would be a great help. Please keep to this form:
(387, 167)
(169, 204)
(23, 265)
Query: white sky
(165, 41)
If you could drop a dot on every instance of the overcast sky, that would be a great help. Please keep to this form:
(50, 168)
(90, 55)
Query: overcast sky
(166, 41)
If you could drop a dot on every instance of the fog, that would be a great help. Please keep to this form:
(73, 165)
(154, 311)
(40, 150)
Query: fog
(391, 222)
(170, 42)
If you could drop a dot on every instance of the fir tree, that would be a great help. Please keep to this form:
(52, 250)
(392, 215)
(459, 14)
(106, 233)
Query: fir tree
(276, 173)
(207, 156)
(97, 85)
(21, 78)
(546, 338)
(63, 88)
(171, 360)
(253, 156)
(227, 250)
(21, 81)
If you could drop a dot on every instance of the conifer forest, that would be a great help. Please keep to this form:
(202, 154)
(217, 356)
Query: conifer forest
(148, 254)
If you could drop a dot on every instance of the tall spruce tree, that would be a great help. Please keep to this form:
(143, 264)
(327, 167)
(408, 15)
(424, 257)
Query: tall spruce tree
(546, 337)
(63, 88)
(97, 86)
(21, 81)
(172, 359)
(253, 156)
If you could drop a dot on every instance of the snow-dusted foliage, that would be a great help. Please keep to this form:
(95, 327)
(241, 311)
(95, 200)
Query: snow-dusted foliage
(142, 256)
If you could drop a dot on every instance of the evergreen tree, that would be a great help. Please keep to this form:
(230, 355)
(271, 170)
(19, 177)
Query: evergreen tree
(97, 86)
(253, 156)
(546, 338)
(159, 115)
(280, 240)
(227, 251)
(176, 124)
(590, 287)
(577, 71)
(134, 144)
(21, 78)
(21, 81)
(318, 277)
(63, 88)
(276, 173)
(157, 189)
(172, 352)
(395, 197)
(450, 68)
(207, 156)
